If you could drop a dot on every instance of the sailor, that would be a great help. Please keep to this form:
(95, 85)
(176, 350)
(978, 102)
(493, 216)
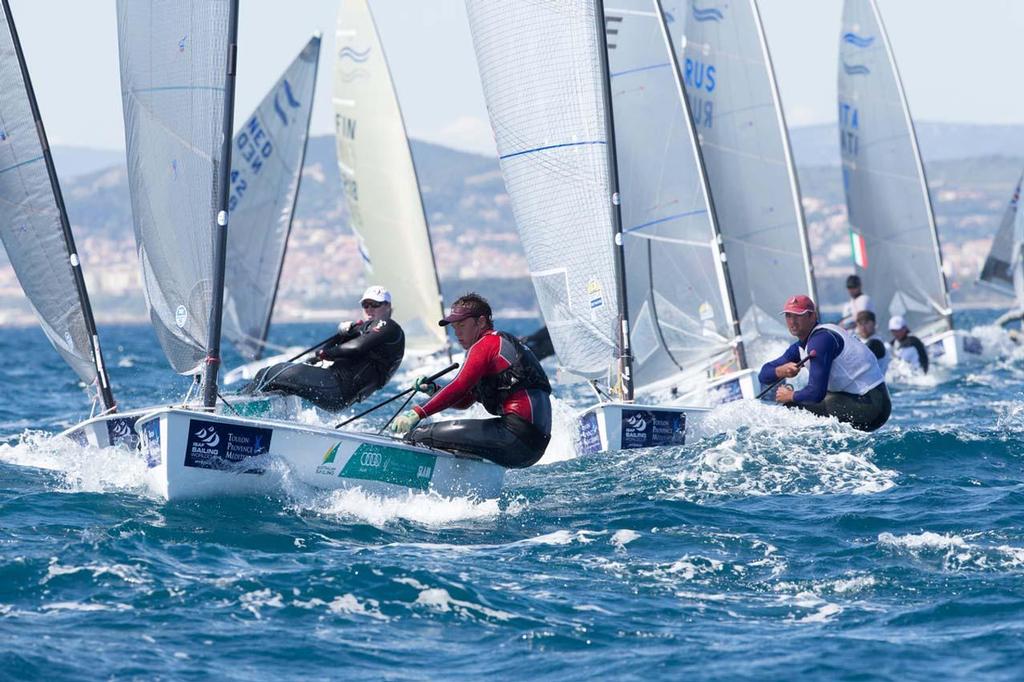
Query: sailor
(906, 346)
(360, 359)
(845, 380)
(503, 375)
(867, 333)
(858, 301)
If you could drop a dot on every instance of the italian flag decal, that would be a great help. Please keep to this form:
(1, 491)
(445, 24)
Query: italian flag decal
(860, 250)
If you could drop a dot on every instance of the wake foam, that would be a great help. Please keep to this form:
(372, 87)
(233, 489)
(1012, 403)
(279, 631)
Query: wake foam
(79, 468)
(765, 449)
(428, 509)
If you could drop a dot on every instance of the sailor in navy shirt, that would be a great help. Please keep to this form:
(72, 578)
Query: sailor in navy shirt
(844, 381)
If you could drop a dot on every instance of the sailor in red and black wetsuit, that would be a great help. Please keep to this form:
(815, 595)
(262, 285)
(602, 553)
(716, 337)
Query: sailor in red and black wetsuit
(500, 373)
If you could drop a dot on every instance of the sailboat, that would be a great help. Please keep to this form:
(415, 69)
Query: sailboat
(177, 76)
(265, 176)
(35, 229)
(1002, 270)
(892, 226)
(734, 100)
(380, 184)
(632, 281)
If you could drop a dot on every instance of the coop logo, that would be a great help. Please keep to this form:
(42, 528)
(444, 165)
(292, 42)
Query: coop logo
(637, 422)
(707, 14)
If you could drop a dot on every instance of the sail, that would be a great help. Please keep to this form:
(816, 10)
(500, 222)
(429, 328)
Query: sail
(1002, 268)
(173, 58)
(265, 171)
(379, 180)
(735, 106)
(892, 229)
(541, 72)
(680, 311)
(33, 223)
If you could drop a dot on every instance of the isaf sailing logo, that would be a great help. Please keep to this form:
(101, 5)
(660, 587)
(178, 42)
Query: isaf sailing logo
(208, 437)
(637, 422)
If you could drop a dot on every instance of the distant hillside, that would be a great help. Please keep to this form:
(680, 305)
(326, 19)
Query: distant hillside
(819, 145)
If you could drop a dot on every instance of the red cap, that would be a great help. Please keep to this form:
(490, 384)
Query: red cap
(799, 305)
(462, 312)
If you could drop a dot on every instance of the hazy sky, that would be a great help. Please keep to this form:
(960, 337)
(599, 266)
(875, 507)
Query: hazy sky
(958, 64)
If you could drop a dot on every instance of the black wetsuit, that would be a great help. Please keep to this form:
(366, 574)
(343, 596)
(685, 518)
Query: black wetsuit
(911, 341)
(363, 361)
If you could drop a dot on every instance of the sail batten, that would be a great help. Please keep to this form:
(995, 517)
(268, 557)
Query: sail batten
(892, 225)
(380, 182)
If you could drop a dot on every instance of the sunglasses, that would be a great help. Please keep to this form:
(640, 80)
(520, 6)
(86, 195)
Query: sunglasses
(372, 305)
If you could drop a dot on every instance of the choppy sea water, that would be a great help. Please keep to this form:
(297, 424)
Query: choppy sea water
(781, 547)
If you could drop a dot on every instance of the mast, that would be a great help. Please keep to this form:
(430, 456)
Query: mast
(947, 312)
(103, 381)
(291, 219)
(221, 228)
(722, 263)
(625, 354)
(787, 150)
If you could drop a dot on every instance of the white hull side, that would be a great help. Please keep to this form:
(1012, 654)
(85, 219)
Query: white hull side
(194, 455)
(623, 426)
(952, 347)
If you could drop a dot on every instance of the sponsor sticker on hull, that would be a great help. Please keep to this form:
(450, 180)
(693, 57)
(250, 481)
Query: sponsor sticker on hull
(649, 428)
(121, 431)
(372, 462)
(589, 435)
(225, 447)
(151, 442)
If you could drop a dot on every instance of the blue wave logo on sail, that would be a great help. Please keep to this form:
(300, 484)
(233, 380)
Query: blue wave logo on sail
(856, 69)
(707, 13)
(3, 134)
(289, 99)
(353, 54)
(858, 41)
(182, 43)
(351, 76)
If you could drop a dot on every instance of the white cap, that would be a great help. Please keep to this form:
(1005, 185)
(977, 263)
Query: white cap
(376, 293)
(896, 323)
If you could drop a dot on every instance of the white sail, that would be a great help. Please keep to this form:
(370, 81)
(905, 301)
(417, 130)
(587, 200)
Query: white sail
(1002, 268)
(681, 316)
(542, 76)
(34, 225)
(266, 168)
(379, 179)
(736, 110)
(892, 228)
(173, 57)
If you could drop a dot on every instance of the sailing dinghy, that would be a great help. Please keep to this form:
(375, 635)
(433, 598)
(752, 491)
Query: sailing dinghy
(1003, 270)
(177, 73)
(34, 225)
(892, 227)
(632, 282)
(266, 171)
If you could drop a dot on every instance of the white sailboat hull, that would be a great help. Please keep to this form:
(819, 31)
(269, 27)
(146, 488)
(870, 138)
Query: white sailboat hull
(194, 455)
(952, 347)
(608, 427)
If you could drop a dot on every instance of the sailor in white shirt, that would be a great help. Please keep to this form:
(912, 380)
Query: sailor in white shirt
(858, 301)
(866, 332)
